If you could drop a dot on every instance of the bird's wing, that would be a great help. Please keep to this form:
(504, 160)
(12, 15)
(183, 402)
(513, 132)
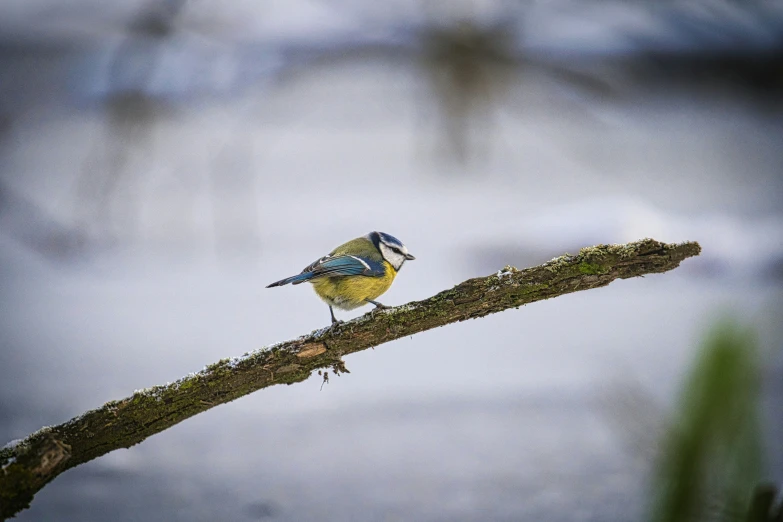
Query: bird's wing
(335, 266)
(344, 265)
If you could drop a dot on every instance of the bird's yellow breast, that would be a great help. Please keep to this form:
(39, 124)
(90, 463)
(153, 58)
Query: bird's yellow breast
(349, 292)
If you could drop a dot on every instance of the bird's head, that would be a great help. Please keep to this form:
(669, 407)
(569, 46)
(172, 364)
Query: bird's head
(390, 248)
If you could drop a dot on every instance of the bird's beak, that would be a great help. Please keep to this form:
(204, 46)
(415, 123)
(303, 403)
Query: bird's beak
(409, 257)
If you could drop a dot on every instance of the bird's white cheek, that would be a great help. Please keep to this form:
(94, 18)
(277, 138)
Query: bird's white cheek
(396, 260)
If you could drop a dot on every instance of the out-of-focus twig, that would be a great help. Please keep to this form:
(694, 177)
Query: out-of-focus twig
(469, 68)
(103, 189)
(763, 507)
(36, 229)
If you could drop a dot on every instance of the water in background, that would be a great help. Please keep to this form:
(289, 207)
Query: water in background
(151, 185)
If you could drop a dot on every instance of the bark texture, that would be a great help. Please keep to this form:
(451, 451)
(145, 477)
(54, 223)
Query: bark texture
(28, 465)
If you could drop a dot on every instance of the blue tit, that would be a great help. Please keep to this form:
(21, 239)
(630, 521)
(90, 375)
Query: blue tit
(355, 273)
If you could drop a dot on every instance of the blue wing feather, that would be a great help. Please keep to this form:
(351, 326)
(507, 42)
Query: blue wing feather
(335, 267)
(340, 266)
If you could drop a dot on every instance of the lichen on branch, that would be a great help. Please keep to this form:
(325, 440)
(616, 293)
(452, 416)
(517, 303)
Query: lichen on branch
(28, 465)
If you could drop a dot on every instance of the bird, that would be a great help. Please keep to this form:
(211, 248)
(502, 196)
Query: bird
(355, 273)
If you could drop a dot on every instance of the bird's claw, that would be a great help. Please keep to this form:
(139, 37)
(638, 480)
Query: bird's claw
(377, 309)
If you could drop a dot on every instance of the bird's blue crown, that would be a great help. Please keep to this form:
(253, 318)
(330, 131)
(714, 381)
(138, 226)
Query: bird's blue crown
(378, 237)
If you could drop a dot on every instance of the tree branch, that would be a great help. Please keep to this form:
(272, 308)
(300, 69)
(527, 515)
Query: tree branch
(27, 465)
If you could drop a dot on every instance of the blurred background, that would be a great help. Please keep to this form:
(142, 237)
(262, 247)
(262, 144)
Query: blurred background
(162, 161)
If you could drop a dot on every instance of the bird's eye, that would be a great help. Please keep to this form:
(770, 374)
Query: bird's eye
(397, 250)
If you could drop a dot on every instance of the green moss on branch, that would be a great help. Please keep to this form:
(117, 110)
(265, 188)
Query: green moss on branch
(27, 466)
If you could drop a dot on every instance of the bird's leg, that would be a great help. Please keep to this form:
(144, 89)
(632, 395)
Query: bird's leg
(334, 319)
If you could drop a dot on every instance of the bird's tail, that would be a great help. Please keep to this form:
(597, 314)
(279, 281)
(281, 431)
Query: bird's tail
(300, 278)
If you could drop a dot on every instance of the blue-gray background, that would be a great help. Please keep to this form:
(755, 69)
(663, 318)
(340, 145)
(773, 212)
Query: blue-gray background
(161, 163)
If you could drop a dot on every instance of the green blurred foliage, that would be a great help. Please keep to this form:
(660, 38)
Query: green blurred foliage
(711, 458)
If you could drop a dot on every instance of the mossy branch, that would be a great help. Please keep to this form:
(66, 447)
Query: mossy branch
(26, 466)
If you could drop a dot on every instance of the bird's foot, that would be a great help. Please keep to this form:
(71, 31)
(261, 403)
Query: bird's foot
(378, 306)
(336, 325)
